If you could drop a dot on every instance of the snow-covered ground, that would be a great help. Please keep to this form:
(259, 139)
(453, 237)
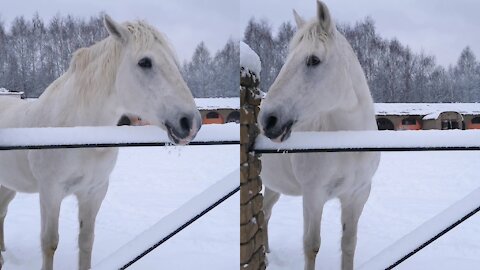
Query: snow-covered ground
(146, 185)
(149, 183)
(408, 189)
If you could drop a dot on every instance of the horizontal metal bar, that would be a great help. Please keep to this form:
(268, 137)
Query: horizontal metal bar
(369, 149)
(103, 145)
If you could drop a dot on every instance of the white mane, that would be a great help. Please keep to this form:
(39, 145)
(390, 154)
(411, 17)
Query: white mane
(95, 67)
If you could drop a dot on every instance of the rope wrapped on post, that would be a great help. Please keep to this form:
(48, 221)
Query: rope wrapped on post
(252, 234)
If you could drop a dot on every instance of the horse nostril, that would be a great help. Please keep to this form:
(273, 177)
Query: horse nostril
(124, 121)
(271, 122)
(185, 124)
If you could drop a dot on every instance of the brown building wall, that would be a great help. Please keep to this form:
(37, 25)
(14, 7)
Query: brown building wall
(225, 113)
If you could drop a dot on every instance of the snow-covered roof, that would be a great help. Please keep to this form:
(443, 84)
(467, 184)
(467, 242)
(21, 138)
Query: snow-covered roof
(217, 103)
(425, 109)
(6, 92)
(249, 60)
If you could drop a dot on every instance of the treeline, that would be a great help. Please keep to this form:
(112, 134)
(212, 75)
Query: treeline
(34, 53)
(394, 72)
(216, 76)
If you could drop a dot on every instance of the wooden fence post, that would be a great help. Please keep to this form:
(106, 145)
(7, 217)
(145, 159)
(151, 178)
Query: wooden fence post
(252, 247)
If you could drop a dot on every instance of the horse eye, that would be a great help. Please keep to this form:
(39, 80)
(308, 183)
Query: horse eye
(312, 61)
(145, 63)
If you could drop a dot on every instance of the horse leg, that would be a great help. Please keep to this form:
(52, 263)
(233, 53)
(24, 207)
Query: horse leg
(352, 207)
(88, 205)
(269, 200)
(6, 196)
(50, 201)
(313, 203)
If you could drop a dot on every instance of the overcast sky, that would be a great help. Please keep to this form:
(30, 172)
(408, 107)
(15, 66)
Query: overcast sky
(438, 27)
(185, 22)
(441, 28)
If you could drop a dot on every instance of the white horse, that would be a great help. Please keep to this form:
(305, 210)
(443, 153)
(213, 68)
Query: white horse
(132, 71)
(321, 87)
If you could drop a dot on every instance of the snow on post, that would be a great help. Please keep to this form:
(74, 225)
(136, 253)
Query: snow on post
(249, 60)
(252, 234)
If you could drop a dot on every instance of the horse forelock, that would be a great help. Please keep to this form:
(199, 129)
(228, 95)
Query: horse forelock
(144, 36)
(310, 33)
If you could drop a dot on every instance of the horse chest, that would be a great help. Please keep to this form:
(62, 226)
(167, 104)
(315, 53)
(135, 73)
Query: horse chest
(331, 173)
(73, 169)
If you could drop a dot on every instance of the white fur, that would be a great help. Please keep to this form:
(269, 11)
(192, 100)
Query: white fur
(331, 96)
(102, 83)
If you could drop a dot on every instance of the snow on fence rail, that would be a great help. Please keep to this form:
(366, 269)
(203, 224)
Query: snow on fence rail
(364, 141)
(172, 224)
(89, 137)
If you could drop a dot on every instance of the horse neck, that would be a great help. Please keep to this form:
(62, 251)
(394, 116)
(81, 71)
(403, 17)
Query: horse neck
(85, 94)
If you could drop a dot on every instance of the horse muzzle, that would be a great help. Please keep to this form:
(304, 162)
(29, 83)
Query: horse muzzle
(184, 130)
(274, 130)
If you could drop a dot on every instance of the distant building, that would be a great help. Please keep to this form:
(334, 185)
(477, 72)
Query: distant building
(5, 92)
(417, 116)
(219, 110)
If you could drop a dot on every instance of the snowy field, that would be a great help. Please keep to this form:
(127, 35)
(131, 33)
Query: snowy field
(408, 189)
(146, 185)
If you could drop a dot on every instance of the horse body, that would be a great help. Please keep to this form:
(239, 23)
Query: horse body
(320, 88)
(133, 71)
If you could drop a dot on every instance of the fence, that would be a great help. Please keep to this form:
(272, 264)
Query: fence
(364, 141)
(94, 137)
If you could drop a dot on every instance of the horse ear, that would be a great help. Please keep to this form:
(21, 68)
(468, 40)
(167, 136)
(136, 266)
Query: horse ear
(116, 30)
(298, 20)
(324, 18)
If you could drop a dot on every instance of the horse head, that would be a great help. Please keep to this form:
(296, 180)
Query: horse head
(148, 82)
(313, 81)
